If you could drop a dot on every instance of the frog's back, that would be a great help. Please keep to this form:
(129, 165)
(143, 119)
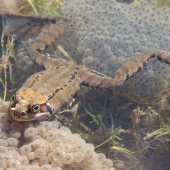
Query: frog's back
(56, 86)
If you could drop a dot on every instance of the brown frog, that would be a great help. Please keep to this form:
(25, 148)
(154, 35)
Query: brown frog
(47, 92)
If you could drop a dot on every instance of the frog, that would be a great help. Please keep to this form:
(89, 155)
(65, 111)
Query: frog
(47, 92)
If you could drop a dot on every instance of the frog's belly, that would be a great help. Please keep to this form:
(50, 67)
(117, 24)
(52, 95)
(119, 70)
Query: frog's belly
(55, 86)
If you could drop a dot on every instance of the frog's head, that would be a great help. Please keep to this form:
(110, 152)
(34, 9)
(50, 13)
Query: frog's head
(29, 105)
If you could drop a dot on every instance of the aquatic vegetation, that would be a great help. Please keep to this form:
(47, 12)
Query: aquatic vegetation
(40, 6)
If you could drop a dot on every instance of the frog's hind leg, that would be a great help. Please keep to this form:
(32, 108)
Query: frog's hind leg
(44, 39)
(97, 80)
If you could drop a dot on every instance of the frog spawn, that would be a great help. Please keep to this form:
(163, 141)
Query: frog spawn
(46, 146)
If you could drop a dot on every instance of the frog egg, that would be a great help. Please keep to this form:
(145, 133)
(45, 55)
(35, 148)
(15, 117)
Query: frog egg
(76, 136)
(90, 145)
(66, 129)
(67, 147)
(22, 167)
(104, 167)
(41, 130)
(150, 73)
(56, 163)
(88, 151)
(34, 167)
(36, 137)
(14, 163)
(3, 135)
(3, 142)
(15, 134)
(47, 124)
(39, 143)
(30, 132)
(15, 154)
(69, 139)
(43, 160)
(60, 134)
(48, 148)
(40, 152)
(3, 117)
(35, 162)
(23, 160)
(5, 126)
(55, 124)
(8, 156)
(3, 150)
(68, 158)
(58, 153)
(2, 164)
(78, 156)
(50, 157)
(57, 168)
(46, 167)
(56, 143)
(50, 135)
(12, 142)
(27, 125)
(101, 157)
(79, 146)
(31, 156)
(25, 149)
(92, 158)
(109, 163)
(11, 148)
(97, 166)
(75, 164)
(16, 126)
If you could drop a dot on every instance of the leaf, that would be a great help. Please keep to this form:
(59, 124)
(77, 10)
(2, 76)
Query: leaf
(33, 6)
(163, 134)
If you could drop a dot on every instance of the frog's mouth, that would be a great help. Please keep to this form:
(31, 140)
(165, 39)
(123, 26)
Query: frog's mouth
(28, 116)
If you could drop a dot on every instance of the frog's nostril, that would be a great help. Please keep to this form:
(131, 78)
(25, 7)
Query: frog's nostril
(23, 113)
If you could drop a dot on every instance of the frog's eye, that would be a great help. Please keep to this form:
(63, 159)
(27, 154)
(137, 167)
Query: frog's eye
(35, 108)
(13, 100)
